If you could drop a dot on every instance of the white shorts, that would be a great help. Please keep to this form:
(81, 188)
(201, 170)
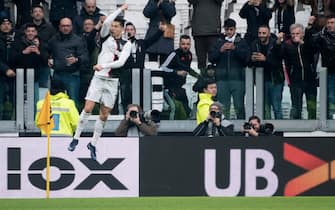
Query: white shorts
(103, 91)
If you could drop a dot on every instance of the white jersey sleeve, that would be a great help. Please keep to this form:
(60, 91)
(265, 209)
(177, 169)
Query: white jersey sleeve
(108, 22)
(122, 58)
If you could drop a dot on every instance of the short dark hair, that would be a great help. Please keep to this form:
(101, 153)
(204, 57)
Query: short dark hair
(120, 20)
(184, 36)
(57, 86)
(36, 6)
(30, 25)
(209, 81)
(264, 26)
(254, 117)
(331, 16)
(229, 23)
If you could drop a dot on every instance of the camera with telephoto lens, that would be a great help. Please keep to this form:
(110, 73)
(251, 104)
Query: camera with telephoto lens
(151, 115)
(215, 114)
(267, 128)
(247, 126)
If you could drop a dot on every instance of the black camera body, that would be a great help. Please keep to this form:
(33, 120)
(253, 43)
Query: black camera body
(151, 115)
(215, 114)
(247, 126)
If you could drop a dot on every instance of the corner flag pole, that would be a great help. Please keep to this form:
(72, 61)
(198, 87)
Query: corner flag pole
(48, 167)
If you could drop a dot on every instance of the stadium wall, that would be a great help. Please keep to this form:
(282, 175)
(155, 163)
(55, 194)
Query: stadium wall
(170, 166)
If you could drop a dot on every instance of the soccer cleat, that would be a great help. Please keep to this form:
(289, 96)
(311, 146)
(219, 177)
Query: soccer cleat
(92, 150)
(73, 145)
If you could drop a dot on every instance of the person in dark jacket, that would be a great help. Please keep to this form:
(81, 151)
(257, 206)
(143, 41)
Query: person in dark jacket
(159, 11)
(69, 54)
(284, 10)
(62, 8)
(89, 11)
(256, 13)
(324, 41)
(6, 71)
(298, 55)
(266, 53)
(23, 10)
(231, 54)
(176, 68)
(45, 32)
(206, 27)
(29, 52)
(215, 124)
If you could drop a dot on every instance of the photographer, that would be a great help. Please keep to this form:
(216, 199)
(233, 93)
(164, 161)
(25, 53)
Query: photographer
(254, 127)
(137, 123)
(214, 125)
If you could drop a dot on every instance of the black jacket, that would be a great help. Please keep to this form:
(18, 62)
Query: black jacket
(273, 68)
(285, 18)
(79, 19)
(324, 41)
(6, 44)
(45, 31)
(203, 129)
(181, 61)
(255, 16)
(60, 46)
(230, 65)
(141, 46)
(299, 60)
(62, 8)
(206, 19)
(165, 11)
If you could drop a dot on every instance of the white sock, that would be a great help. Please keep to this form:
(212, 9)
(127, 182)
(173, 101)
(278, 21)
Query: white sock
(98, 128)
(83, 119)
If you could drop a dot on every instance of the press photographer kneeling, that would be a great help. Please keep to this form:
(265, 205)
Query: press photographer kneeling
(214, 125)
(138, 123)
(254, 127)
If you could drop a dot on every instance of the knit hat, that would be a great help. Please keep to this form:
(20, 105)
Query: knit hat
(5, 19)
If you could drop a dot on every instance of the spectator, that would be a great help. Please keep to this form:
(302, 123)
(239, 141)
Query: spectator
(231, 54)
(205, 100)
(254, 127)
(214, 125)
(69, 54)
(6, 71)
(45, 32)
(159, 11)
(104, 85)
(135, 125)
(206, 27)
(23, 10)
(64, 111)
(285, 17)
(137, 58)
(91, 36)
(209, 74)
(266, 53)
(177, 66)
(256, 13)
(89, 11)
(62, 8)
(29, 52)
(298, 54)
(325, 43)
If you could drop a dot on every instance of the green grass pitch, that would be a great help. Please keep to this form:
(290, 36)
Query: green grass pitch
(172, 203)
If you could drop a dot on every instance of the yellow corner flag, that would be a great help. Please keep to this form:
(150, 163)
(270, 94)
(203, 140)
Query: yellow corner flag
(45, 121)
